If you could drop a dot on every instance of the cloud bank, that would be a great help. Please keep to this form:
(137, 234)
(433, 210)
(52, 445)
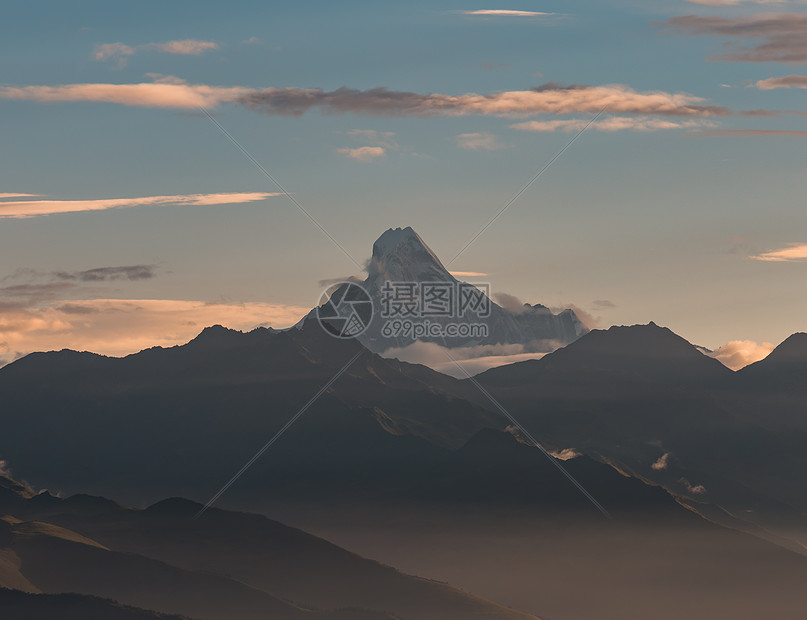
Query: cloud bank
(550, 98)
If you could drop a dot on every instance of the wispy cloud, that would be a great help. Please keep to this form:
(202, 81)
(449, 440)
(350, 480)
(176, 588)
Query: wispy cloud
(610, 124)
(364, 154)
(792, 253)
(783, 35)
(3, 196)
(727, 133)
(106, 274)
(505, 13)
(120, 51)
(468, 274)
(110, 51)
(737, 2)
(185, 47)
(374, 137)
(551, 98)
(786, 81)
(482, 141)
(21, 209)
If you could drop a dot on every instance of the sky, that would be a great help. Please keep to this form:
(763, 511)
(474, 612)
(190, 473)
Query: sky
(133, 211)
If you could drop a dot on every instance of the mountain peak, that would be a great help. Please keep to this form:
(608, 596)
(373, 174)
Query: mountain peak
(648, 353)
(792, 349)
(400, 255)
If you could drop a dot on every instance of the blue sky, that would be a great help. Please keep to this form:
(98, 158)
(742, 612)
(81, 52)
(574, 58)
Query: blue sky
(662, 224)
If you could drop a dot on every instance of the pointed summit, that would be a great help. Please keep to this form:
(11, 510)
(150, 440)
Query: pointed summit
(400, 255)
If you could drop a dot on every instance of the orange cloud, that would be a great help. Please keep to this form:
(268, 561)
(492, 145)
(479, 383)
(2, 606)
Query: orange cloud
(739, 353)
(468, 274)
(794, 252)
(21, 209)
(123, 326)
(148, 95)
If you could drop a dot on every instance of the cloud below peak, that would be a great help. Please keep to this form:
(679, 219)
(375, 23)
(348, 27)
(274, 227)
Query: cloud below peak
(740, 353)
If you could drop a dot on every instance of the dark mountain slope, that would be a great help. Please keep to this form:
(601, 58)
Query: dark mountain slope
(784, 370)
(647, 400)
(162, 558)
(17, 605)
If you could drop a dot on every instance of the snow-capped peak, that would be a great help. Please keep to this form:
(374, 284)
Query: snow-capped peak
(400, 255)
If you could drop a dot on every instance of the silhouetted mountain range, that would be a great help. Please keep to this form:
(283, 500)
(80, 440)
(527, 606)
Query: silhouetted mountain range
(220, 565)
(395, 460)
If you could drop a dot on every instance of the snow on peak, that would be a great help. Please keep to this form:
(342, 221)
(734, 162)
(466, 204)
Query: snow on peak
(401, 255)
